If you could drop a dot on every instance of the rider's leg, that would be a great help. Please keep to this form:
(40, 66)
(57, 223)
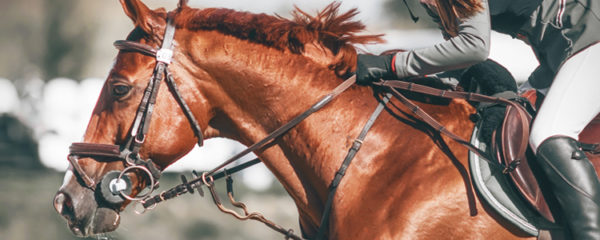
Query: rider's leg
(571, 103)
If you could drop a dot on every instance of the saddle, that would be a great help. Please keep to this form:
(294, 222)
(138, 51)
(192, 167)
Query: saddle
(509, 146)
(504, 171)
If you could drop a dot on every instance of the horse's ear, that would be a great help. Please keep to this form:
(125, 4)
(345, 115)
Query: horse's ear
(140, 14)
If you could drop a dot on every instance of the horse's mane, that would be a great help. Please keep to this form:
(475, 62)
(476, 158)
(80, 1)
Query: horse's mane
(333, 31)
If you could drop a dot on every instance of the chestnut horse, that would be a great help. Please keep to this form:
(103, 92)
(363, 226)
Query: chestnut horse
(243, 75)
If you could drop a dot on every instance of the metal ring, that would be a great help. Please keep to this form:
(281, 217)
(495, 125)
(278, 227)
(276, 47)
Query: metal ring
(145, 209)
(130, 158)
(212, 180)
(142, 197)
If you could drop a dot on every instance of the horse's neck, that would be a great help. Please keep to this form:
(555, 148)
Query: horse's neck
(253, 90)
(257, 89)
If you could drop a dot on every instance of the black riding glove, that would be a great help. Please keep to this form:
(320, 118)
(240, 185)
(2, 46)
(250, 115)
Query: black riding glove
(371, 68)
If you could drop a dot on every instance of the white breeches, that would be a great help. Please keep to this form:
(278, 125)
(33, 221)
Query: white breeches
(573, 99)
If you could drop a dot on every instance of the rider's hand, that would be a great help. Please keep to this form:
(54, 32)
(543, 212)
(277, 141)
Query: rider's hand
(371, 68)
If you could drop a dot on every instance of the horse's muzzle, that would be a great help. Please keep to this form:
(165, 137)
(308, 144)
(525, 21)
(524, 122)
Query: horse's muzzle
(83, 215)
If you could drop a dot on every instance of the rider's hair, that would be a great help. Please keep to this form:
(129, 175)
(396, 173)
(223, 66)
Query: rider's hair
(453, 11)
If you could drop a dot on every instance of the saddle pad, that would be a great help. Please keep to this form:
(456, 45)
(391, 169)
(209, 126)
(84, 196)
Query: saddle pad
(500, 195)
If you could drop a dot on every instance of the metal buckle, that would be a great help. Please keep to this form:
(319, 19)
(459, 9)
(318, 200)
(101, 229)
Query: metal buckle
(164, 55)
(512, 166)
(131, 159)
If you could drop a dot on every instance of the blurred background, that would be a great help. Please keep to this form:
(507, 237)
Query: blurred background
(55, 57)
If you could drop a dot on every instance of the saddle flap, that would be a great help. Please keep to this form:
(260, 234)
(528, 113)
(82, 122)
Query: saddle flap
(513, 144)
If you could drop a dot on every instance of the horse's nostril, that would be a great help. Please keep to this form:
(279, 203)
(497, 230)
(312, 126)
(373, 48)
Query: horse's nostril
(62, 203)
(59, 200)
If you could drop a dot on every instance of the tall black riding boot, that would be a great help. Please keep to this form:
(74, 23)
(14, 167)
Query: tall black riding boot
(574, 183)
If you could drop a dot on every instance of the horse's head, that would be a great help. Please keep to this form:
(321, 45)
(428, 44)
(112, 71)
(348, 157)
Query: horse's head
(123, 151)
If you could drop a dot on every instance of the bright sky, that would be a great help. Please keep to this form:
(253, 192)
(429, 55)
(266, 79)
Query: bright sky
(64, 106)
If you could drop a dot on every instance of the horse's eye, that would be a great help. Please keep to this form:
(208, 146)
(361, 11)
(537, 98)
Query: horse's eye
(120, 90)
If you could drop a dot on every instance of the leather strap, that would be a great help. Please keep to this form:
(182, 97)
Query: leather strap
(141, 123)
(283, 129)
(324, 226)
(591, 148)
(197, 182)
(87, 180)
(413, 87)
(144, 115)
(95, 149)
(125, 45)
(417, 88)
(186, 109)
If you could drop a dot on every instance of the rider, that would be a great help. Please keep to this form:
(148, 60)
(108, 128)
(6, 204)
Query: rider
(564, 35)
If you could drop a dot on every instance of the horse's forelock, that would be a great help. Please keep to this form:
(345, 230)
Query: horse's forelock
(336, 32)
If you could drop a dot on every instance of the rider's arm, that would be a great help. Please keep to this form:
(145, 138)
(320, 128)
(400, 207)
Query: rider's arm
(470, 46)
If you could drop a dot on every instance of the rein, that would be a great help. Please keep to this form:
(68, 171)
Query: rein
(392, 87)
(208, 178)
(198, 181)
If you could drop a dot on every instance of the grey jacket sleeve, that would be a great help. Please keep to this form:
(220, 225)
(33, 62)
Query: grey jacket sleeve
(470, 46)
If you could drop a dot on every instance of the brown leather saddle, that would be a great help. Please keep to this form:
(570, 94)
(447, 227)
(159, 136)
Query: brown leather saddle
(510, 144)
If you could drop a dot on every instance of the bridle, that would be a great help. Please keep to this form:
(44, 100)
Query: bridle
(115, 186)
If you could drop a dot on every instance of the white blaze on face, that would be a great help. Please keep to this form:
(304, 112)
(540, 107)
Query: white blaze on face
(68, 176)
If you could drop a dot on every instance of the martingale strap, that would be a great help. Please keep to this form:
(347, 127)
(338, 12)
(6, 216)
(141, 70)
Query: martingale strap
(324, 226)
